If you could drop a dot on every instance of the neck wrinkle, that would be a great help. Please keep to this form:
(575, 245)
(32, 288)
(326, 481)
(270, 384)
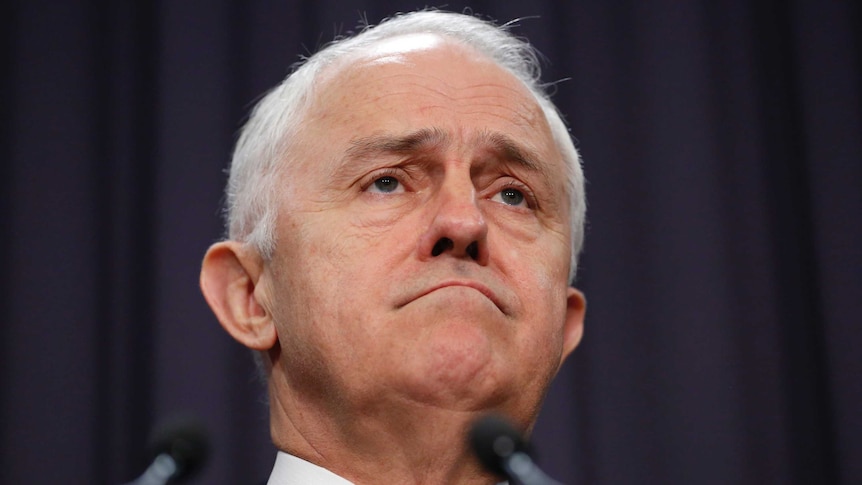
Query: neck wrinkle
(421, 444)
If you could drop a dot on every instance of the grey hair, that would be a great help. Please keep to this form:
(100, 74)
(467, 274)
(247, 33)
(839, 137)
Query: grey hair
(268, 135)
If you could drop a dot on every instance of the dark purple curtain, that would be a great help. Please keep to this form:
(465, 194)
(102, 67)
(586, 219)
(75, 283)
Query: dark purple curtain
(723, 146)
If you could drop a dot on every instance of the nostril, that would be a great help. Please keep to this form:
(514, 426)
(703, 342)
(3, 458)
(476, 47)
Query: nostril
(473, 250)
(443, 245)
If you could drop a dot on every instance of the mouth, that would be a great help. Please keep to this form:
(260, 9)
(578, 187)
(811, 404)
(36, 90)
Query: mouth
(475, 285)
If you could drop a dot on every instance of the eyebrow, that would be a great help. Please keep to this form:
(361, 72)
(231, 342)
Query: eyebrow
(510, 150)
(501, 147)
(429, 138)
(420, 140)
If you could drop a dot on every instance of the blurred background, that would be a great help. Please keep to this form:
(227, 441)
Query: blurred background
(722, 141)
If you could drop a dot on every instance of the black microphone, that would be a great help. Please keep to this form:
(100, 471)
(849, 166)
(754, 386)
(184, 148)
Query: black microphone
(501, 450)
(180, 448)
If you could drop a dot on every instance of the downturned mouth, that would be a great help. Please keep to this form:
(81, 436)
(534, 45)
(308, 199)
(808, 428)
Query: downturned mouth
(484, 290)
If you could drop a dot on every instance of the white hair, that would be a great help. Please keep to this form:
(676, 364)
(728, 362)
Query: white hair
(265, 140)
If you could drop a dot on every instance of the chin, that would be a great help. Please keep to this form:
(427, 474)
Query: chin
(461, 375)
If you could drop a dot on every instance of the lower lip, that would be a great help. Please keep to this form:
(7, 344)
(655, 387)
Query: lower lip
(460, 287)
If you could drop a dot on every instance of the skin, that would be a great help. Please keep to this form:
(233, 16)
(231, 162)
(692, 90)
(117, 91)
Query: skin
(420, 276)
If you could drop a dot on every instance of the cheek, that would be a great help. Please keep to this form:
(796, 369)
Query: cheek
(377, 243)
(539, 267)
(542, 345)
(347, 267)
(541, 277)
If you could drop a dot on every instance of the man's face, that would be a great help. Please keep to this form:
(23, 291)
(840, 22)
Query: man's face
(422, 237)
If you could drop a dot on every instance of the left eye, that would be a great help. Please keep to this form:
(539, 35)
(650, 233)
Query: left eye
(510, 196)
(385, 185)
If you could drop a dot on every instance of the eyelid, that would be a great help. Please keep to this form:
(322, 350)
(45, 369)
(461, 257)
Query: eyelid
(372, 177)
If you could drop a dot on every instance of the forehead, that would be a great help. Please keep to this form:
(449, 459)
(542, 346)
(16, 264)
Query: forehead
(418, 81)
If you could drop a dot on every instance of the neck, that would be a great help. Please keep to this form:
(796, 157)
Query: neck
(399, 442)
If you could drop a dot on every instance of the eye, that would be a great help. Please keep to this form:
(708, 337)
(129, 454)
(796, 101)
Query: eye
(511, 196)
(386, 184)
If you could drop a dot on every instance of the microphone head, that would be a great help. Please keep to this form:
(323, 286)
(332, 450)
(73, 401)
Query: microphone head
(493, 440)
(186, 441)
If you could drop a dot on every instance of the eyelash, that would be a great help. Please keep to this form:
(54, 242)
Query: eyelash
(386, 172)
(529, 197)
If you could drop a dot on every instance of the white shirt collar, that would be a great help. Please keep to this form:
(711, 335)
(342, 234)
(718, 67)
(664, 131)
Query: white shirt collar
(290, 470)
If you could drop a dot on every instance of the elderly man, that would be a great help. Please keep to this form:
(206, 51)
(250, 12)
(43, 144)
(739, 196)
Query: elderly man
(404, 214)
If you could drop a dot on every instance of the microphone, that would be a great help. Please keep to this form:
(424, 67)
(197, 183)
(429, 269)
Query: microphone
(180, 447)
(501, 450)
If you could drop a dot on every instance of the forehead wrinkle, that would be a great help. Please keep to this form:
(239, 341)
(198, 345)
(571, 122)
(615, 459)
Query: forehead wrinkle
(389, 144)
(449, 91)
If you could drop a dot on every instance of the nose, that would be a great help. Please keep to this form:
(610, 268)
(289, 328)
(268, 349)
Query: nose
(458, 227)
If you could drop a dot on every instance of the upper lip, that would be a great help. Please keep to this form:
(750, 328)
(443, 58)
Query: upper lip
(481, 288)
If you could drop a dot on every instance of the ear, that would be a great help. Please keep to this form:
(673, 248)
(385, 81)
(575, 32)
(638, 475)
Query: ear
(230, 277)
(573, 328)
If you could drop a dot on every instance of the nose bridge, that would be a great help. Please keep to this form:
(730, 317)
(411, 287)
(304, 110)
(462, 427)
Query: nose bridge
(457, 205)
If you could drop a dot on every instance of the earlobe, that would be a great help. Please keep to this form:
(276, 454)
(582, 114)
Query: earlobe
(230, 275)
(573, 328)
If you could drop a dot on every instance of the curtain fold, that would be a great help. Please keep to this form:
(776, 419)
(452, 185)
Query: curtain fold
(722, 142)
